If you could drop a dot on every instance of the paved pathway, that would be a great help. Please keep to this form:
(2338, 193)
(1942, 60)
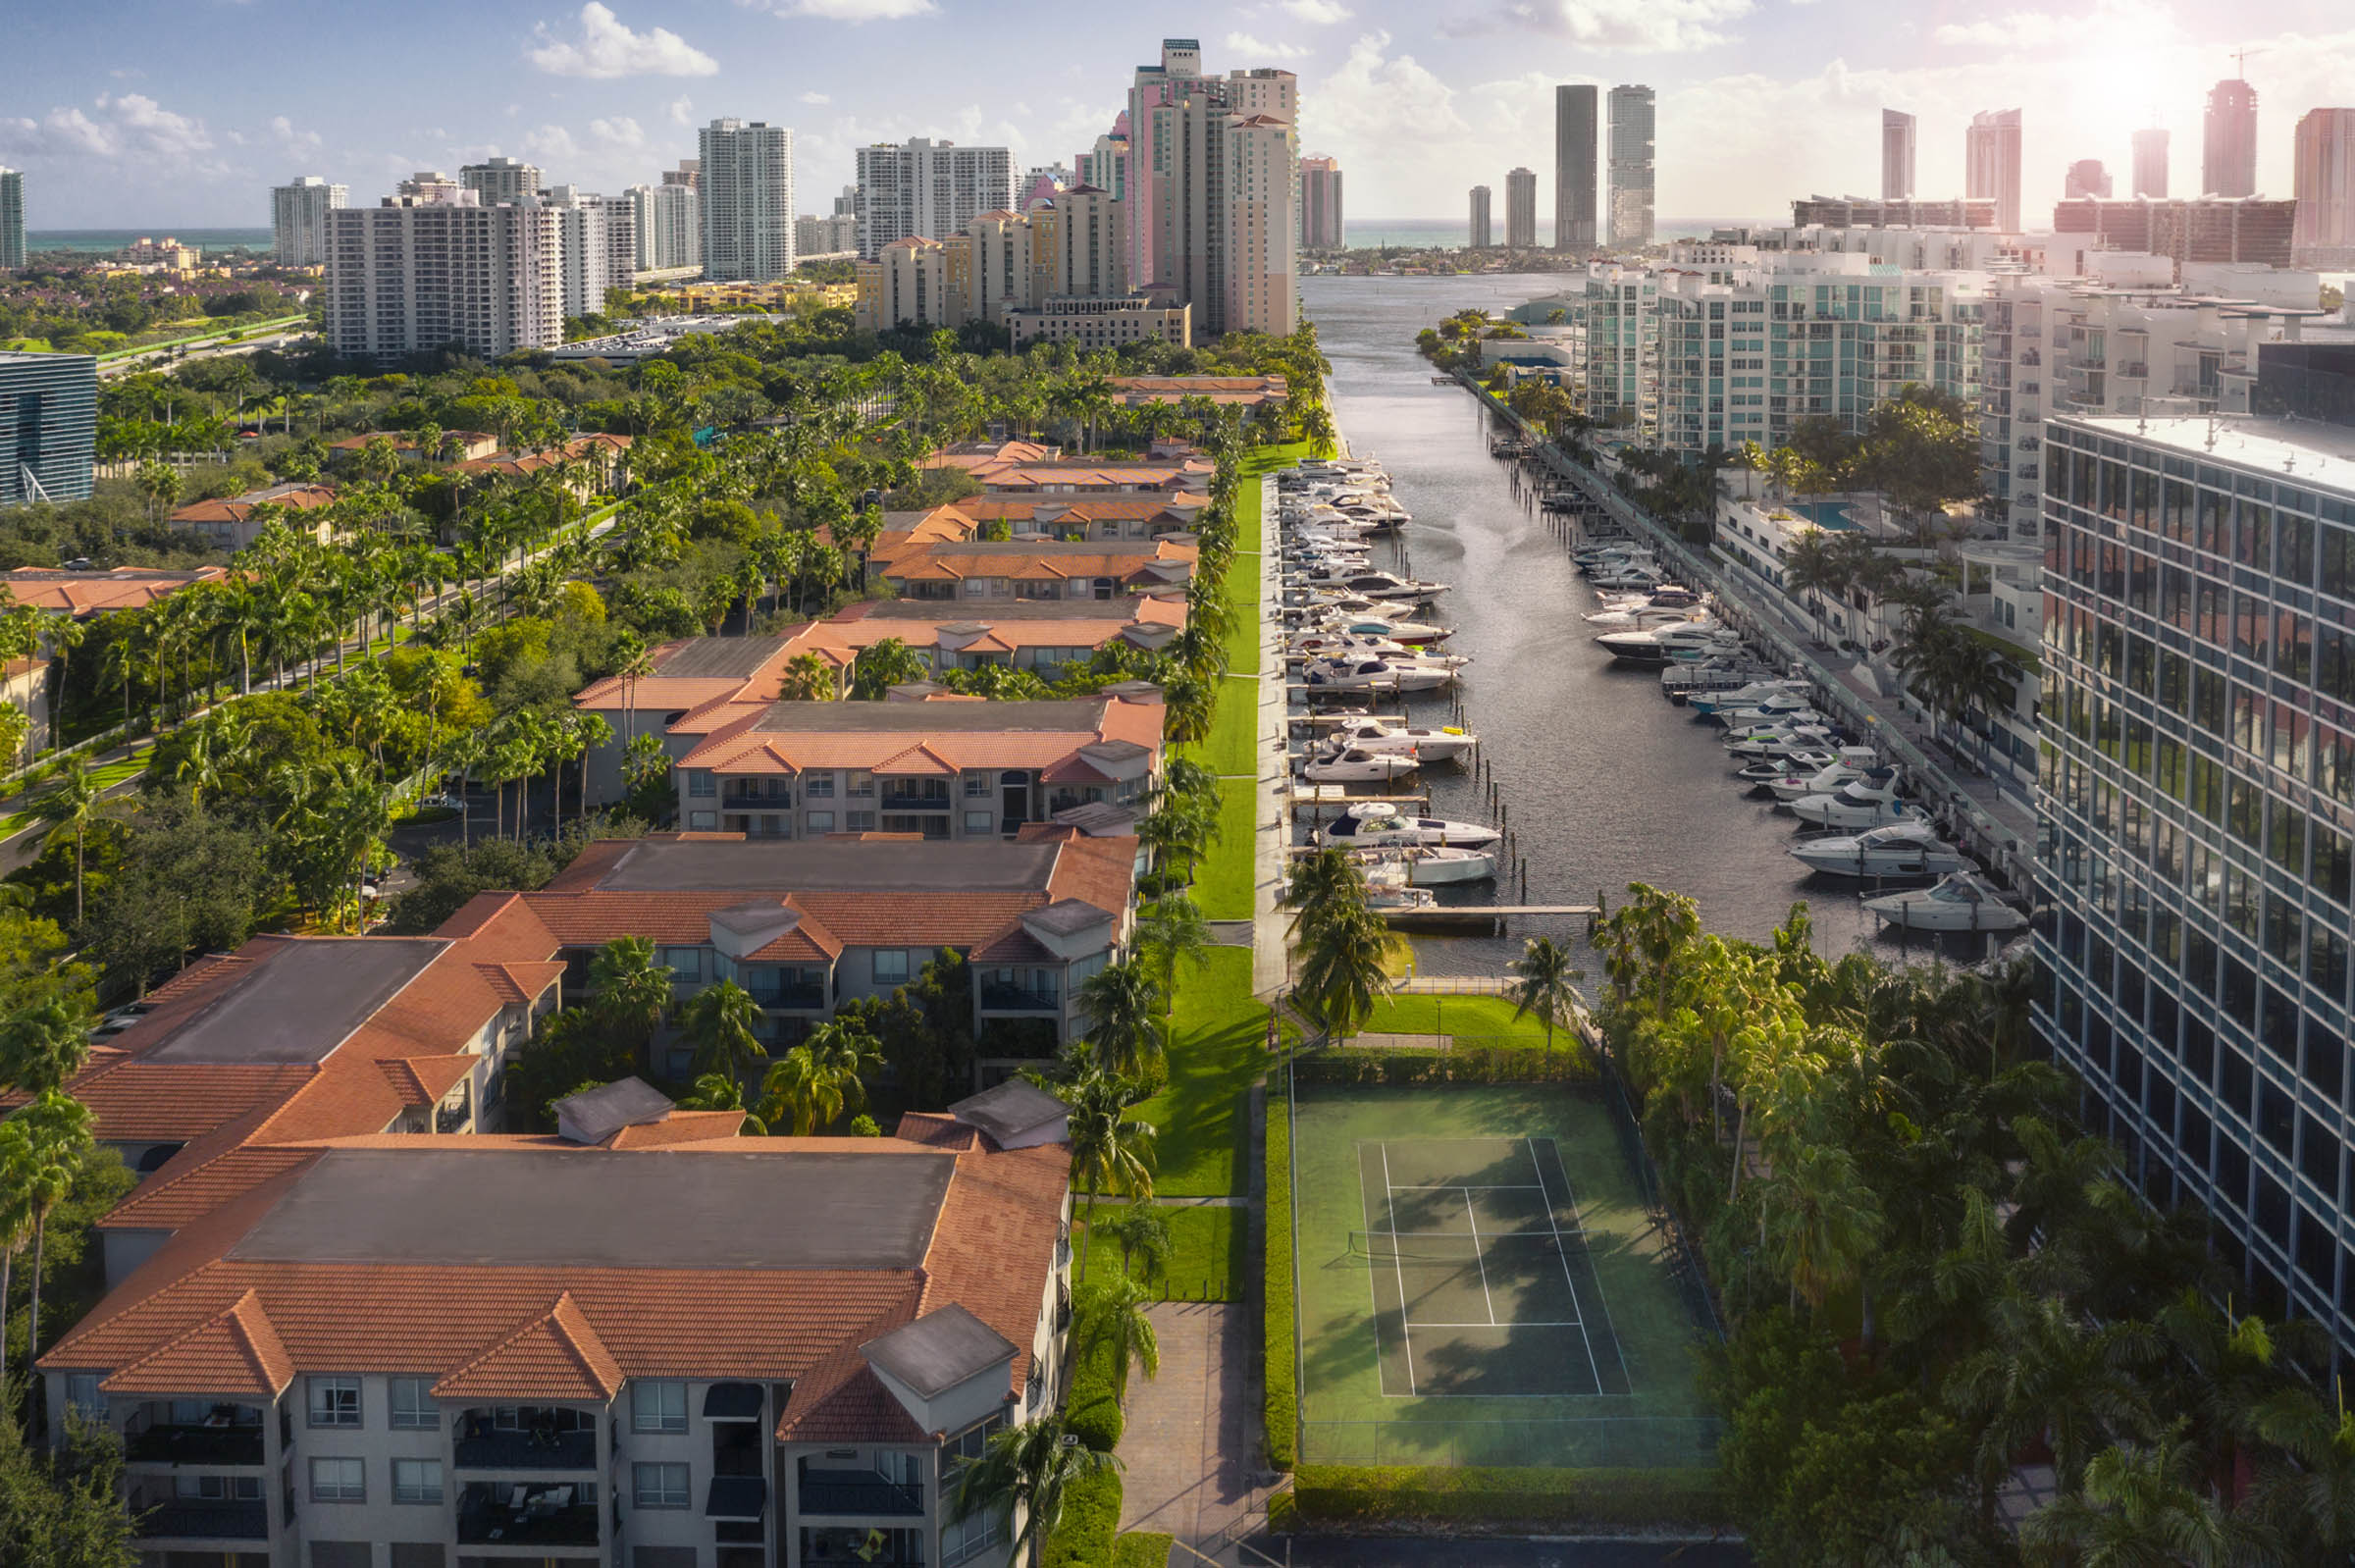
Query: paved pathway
(1271, 964)
(1188, 1447)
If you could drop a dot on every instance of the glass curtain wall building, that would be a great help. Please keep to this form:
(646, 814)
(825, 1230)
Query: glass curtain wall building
(2196, 803)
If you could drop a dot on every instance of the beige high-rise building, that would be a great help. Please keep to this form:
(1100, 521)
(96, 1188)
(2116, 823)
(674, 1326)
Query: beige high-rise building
(1480, 237)
(2324, 187)
(744, 176)
(2150, 161)
(1521, 210)
(500, 180)
(421, 272)
(298, 219)
(670, 224)
(1059, 271)
(1321, 224)
(1991, 164)
(2229, 141)
(1896, 156)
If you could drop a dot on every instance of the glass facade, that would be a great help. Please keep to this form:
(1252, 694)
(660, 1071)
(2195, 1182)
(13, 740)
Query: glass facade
(48, 426)
(2196, 805)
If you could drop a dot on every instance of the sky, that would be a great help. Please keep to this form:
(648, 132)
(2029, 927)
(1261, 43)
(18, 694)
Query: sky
(138, 114)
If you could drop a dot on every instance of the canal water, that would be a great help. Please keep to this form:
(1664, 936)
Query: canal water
(1606, 781)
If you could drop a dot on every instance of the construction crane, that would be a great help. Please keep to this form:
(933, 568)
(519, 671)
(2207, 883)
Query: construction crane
(2240, 61)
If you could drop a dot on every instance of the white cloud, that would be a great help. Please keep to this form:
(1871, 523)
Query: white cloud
(132, 127)
(1243, 43)
(1317, 12)
(295, 140)
(851, 11)
(552, 142)
(618, 132)
(1633, 27)
(682, 112)
(816, 98)
(606, 49)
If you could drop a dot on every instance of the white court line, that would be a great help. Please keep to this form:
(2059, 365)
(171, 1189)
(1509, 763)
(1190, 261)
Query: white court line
(1524, 1323)
(1472, 1219)
(1586, 1339)
(1389, 1206)
(1570, 1195)
(1373, 1296)
(1472, 1186)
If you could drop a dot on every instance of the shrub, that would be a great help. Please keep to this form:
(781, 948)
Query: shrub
(1362, 1493)
(1143, 1548)
(1464, 1064)
(1281, 1413)
(1091, 1515)
(1091, 1408)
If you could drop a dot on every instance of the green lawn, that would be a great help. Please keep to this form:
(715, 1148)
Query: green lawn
(1467, 1017)
(1206, 1251)
(1219, 1053)
(1224, 881)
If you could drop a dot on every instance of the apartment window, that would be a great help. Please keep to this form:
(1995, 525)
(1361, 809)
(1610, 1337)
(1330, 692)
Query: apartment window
(980, 822)
(819, 787)
(891, 966)
(860, 784)
(338, 1480)
(416, 1480)
(414, 1403)
(700, 782)
(335, 1401)
(662, 1485)
(821, 821)
(658, 1405)
(968, 1537)
(82, 1393)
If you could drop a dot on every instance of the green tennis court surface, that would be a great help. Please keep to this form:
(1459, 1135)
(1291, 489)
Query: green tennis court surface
(1481, 1284)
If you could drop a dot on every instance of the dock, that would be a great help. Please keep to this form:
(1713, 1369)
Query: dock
(1485, 916)
(1317, 797)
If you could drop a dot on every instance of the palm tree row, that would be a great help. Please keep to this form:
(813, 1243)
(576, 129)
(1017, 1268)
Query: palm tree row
(1344, 953)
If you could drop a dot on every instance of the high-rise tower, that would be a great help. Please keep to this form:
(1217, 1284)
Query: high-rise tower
(746, 179)
(2324, 187)
(1574, 136)
(1521, 209)
(1897, 155)
(1480, 235)
(2228, 144)
(2150, 162)
(1631, 149)
(298, 219)
(1991, 164)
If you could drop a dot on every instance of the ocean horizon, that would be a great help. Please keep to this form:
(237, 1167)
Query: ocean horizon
(103, 240)
(1371, 232)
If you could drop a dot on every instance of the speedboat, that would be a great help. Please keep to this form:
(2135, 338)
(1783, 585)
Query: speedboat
(1380, 823)
(1394, 898)
(1376, 675)
(1767, 772)
(1960, 902)
(1699, 679)
(1660, 644)
(1750, 696)
(1372, 584)
(1381, 735)
(1866, 802)
(1336, 645)
(1642, 610)
(1631, 577)
(1785, 742)
(1899, 849)
(1774, 705)
(1435, 867)
(1354, 765)
(1851, 762)
(1411, 633)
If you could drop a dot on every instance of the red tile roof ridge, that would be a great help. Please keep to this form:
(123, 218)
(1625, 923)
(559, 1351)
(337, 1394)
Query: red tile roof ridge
(678, 1128)
(837, 1370)
(236, 1352)
(561, 1341)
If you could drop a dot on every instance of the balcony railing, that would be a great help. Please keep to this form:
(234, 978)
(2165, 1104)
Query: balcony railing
(194, 1445)
(893, 801)
(1000, 998)
(450, 1118)
(528, 1450)
(797, 997)
(202, 1519)
(858, 1492)
(536, 1524)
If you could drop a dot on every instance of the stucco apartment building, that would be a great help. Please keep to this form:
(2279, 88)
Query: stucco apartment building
(1044, 569)
(1043, 635)
(229, 523)
(942, 767)
(641, 1342)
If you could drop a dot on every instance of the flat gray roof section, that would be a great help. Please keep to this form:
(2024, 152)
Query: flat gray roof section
(1010, 1110)
(301, 1003)
(820, 866)
(662, 1210)
(1080, 716)
(594, 1115)
(719, 657)
(938, 1350)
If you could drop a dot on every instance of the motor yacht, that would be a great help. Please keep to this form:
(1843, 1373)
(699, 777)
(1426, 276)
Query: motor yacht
(1435, 866)
(1658, 644)
(1379, 824)
(1797, 738)
(1376, 675)
(1683, 683)
(1763, 709)
(1895, 849)
(1748, 696)
(1431, 745)
(1411, 633)
(1765, 771)
(1851, 762)
(1372, 584)
(1354, 765)
(1960, 902)
(1866, 802)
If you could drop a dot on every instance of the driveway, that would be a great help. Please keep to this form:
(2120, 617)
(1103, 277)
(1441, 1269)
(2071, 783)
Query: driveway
(1188, 1445)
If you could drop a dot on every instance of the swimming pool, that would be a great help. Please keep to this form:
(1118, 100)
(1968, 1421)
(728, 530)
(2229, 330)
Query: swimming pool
(1832, 516)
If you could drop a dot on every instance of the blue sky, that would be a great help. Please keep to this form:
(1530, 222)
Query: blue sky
(136, 113)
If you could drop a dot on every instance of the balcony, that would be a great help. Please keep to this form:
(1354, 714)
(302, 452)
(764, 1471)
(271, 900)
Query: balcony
(2132, 370)
(1001, 997)
(204, 1519)
(903, 801)
(194, 1445)
(525, 1516)
(792, 998)
(899, 1549)
(450, 1118)
(536, 1446)
(861, 1492)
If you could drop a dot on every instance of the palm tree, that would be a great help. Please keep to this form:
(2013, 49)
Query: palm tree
(1120, 1001)
(17, 1166)
(70, 810)
(1117, 1315)
(1544, 984)
(629, 989)
(1144, 1239)
(883, 664)
(1343, 961)
(1812, 569)
(1023, 1473)
(2314, 1501)
(2138, 1505)
(717, 1092)
(1110, 1150)
(808, 678)
(1171, 933)
(2047, 1373)
(57, 1131)
(1320, 885)
(43, 1045)
(723, 1022)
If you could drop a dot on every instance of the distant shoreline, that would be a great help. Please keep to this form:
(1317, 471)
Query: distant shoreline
(101, 241)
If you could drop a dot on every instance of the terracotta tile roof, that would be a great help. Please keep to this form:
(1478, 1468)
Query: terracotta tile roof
(679, 1127)
(237, 508)
(516, 465)
(157, 1102)
(556, 1356)
(202, 1178)
(687, 676)
(936, 1129)
(236, 1351)
(422, 1080)
(79, 593)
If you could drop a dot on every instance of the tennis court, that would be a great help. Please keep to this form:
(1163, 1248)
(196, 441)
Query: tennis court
(1481, 1283)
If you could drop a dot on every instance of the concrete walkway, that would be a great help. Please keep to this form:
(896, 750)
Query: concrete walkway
(1271, 964)
(1190, 1438)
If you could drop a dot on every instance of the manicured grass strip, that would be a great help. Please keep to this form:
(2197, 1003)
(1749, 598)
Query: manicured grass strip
(1231, 747)
(1219, 1051)
(1282, 1408)
(1360, 1494)
(1224, 881)
(1143, 1548)
(1205, 1252)
(1467, 1017)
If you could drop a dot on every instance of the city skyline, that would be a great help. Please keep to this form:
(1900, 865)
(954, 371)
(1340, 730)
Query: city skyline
(120, 135)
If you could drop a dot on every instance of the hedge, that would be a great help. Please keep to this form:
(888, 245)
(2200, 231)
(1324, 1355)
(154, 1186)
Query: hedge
(1143, 1548)
(1367, 1493)
(1091, 1408)
(1281, 1413)
(1092, 1516)
(1570, 1062)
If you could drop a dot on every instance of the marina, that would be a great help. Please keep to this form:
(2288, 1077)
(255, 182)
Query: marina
(1590, 769)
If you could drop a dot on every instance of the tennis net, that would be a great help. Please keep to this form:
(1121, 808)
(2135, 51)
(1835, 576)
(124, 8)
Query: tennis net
(1453, 1247)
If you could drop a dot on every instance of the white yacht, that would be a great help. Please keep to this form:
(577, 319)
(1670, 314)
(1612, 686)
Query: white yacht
(1867, 802)
(1960, 902)
(1431, 745)
(1748, 696)
(1376, 675)
(1380, 823)
(1354, 765)
(1372, 584)
(1766, 772)
(1786, 742)
(1773, 705)
(1436, 867)
(1897, 849)
(1658, 644)
(1851, 762)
